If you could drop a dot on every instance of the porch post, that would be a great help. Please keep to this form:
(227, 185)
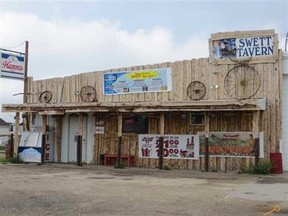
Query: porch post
(79, 139)
(119, 147)
(255, 122)
(161, 147)
(206, 141)
(44, 125)
(16, 135)
(58, 135)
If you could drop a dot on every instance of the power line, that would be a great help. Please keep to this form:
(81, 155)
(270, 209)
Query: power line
(14, 46)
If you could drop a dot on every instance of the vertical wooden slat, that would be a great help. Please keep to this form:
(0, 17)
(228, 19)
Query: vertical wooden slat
(57, 138)
(16, 134)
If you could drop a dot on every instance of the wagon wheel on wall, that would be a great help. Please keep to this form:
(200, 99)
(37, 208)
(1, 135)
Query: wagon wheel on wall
(242, 82)
(196, 90)
(45, 97)
(88, 94)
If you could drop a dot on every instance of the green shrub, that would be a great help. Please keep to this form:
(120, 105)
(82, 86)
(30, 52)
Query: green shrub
(16, 160)
(263, 167)
(166, 167)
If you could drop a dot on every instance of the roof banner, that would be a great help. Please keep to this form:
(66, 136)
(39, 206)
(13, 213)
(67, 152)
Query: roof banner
(141, 81)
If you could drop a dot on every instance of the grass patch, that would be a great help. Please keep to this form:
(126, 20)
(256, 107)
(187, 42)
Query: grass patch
(2, 148)
(3, 161)
(121, 166)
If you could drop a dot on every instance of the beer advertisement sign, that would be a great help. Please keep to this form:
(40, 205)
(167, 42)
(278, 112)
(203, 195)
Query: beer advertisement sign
(12, 66)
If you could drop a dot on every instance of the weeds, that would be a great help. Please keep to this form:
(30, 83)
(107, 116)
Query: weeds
(263, 167)
(15, 160)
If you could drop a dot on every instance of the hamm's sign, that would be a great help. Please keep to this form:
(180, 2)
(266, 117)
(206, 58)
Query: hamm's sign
(12, 66)
(238, 45)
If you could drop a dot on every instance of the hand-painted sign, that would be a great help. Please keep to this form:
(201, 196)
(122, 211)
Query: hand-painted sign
(243, 47)
(152, 80)
(231, 144)
(12, 66)
(175, 146)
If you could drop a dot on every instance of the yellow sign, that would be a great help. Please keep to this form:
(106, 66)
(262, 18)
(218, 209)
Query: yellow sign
(142, 75)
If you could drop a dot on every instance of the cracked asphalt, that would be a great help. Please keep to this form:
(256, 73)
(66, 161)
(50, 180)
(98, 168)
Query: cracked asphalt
(62, 189)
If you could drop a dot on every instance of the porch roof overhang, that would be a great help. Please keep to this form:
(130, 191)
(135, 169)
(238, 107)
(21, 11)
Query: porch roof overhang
(193, 106)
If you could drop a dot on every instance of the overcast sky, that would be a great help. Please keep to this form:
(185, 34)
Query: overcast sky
(70, 37)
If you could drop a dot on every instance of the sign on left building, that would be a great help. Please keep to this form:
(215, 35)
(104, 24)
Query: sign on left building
(12, 65)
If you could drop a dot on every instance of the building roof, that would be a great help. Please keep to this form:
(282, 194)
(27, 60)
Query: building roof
(3, 123)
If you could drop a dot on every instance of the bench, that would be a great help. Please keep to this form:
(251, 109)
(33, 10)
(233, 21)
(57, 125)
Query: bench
(109, 157)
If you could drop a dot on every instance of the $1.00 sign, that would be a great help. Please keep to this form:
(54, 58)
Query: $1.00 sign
(174, 146)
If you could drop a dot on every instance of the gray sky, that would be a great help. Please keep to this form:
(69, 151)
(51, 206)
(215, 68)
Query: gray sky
(70, 37)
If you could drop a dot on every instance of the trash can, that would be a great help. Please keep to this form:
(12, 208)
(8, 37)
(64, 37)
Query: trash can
(276, 161)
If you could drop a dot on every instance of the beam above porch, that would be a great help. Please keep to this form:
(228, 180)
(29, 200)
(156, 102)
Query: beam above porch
(205, 105)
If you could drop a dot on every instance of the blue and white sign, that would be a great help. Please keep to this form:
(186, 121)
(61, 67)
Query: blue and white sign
(29, 149)
(152, 80)
(12, 66)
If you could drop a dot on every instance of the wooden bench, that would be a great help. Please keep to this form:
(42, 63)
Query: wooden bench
(109, 157)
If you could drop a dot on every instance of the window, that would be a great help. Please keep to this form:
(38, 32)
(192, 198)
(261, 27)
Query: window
(197, 118)
(135, 124)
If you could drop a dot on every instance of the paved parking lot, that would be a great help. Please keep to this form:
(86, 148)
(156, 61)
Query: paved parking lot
(30, 189)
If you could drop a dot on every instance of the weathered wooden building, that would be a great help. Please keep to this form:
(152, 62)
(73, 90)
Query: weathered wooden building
(232, 98)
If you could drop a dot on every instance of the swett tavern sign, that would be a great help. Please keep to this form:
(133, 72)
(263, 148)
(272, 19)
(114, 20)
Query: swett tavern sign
(244, 46)
(259, 46)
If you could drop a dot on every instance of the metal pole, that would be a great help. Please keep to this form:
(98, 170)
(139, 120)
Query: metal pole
(206, 154)
(79, 150)
(7, 50)
(25, 95)
(43, 148)
(26, 72)
(286, 41)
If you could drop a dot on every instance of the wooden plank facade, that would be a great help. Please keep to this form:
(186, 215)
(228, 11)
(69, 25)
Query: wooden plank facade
(259, 113)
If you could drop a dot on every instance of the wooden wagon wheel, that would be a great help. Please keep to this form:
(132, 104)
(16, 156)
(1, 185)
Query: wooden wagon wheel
(242, 82)
(196, 90)
(88, 94)
(45, 97)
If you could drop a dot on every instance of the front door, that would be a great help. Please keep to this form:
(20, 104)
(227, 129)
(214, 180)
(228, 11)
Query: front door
(73, 134)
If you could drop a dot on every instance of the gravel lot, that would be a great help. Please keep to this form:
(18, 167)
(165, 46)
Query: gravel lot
(30, 189)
